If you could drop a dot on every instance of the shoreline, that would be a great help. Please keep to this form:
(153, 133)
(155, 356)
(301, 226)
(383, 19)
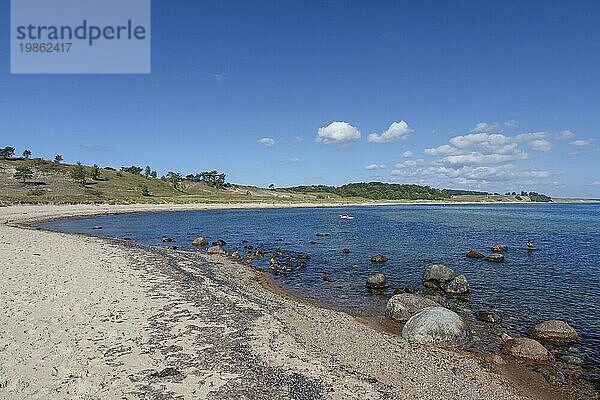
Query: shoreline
(302, 318)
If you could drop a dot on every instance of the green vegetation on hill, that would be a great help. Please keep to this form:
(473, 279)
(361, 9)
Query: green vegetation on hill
(453, 192)
(377, 191)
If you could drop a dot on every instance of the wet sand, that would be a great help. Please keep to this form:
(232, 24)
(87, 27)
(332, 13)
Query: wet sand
(98, 318)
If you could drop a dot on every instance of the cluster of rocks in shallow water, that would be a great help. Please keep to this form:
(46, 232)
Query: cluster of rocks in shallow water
(426, 318)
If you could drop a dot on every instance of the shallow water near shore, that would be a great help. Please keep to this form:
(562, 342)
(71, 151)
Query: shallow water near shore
(559, 280)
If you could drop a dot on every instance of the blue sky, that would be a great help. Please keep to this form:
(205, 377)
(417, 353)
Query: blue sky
(469, 94)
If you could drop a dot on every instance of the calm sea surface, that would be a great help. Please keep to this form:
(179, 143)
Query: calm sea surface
(560, 280)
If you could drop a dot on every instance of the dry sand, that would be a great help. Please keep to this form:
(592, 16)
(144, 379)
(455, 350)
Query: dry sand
(89, 318)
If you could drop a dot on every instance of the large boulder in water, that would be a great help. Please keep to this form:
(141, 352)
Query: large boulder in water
(499, 247)
(526, 349)
(377, 281)
(495, 258)
(458, 285)
(554, 331)
(379, 259)
(474, 254)
(438, 275)
(401, 307)
(216, 250)
(438, 326)
(200, 242)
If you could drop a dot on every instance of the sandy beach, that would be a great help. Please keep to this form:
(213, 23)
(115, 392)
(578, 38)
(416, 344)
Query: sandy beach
(90, 318)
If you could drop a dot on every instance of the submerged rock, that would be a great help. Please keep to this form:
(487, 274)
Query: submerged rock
(438, 326)
(438, 274)
(474, 254)
(458, 285)
(499, 247)
(377, 281)
(345, 251)
(215, 250)
(379, 259)
(166, 239)
(356, 266)
(488, 316)
(219, 242)
(97, 227)
(301, 264)
(400, 307)
(571, 359)
(495, 257)
(322, 234)
(526, 349)
(200, 242)
(554, 331)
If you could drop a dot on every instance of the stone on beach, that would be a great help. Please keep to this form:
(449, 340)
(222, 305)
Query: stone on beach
(474, 254)
(377, 281)
(379, 259)
(438, 326)
(554, 331)
(499, 247)
(458, 285)
(488, 316)
(526, 349)
(495, 257)
(400, 307)
(438, 274)
(216, 250)
(200, 242)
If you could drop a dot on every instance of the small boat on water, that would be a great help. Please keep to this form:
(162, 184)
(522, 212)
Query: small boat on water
(346, 216)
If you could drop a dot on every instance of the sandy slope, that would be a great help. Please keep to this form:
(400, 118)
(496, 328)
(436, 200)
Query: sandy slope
(92, 318)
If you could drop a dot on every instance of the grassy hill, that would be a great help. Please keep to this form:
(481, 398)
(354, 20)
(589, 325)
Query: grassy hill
(53, 183)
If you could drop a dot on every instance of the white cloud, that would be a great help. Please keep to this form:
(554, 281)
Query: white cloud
(396, 131)
(266, 141)
(566, 134)
(295, 159)
(511, 123)
(410, 163)
(338, 133)
(217, 77)
(583, 143)
(484, 127)
(441, 150)
(408, 154)
(526, 137)
(540, 145)
(372, 167)
(479, 158)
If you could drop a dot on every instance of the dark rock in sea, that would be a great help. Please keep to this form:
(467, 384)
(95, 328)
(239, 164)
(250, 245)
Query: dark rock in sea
(438, 274)
(379, 259)
(322, 234)
(244, 241)
(438, 326)
(526, 349)
(475, 254)
(166, 239)
(458, 285)
(400, 307)
(495, 258)
(216, 250)
(377, 281)
(301, 264)
(499, 248)
(273, 263)
(313, 242)
(219, 242)
(554, 331)
(304, 256)
(200, 242)
(553, 375)
(259, 253)
(403, 290)
(327, 278)
(356, 266)
(345, 251)
(488, 316)
(97, 227)
(248, 247)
